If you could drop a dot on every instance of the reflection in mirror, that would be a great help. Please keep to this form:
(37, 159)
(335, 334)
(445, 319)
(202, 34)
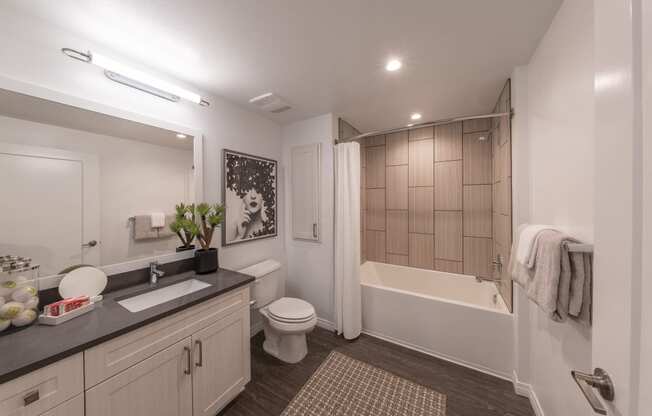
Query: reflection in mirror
(80, 187)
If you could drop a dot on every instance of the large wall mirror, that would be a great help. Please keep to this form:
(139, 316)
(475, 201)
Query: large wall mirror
(80, 186)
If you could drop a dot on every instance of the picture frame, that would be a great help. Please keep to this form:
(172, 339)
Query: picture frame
(250, 196)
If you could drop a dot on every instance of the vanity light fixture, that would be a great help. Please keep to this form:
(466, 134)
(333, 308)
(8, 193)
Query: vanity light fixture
(134, 78)
(393, 65)
(181, 136)
(415, 116)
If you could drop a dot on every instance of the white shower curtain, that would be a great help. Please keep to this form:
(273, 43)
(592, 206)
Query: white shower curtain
(348, 308)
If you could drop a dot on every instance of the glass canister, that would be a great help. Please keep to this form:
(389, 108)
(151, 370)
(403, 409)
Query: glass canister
(19, 286)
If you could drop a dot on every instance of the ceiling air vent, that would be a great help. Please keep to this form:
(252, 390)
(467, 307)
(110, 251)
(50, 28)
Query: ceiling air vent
(271, 103)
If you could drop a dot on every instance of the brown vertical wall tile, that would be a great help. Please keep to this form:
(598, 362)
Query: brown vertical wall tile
(448, 142)
(420, 166)
(448, 235)
(477, 159)
(448, 186)
(398, 259)
(376, 209)
(422, 248)
(397, 148)
(397, 187)
(397, 232)
(477, 210)
(375, 167)
(421, 133)
(420, 202)
(480, 124)
(477, 256)
(449, 266)
(374, 140)
(375, 245)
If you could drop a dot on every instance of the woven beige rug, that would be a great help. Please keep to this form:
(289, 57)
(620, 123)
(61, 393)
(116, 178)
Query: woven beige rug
(344, 386)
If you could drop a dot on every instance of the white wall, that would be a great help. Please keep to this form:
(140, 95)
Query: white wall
(34, 56)
(310, 264)
(554, 146)
(135, 178)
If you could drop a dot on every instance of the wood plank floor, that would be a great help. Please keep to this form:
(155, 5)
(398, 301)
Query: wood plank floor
(469, 393)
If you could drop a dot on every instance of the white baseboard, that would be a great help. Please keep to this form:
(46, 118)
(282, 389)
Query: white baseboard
(526, 390)
(436, 354)
(256, 327)
(325, 324)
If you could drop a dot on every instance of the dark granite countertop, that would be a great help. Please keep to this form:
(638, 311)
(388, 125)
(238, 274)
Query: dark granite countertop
(36, 346)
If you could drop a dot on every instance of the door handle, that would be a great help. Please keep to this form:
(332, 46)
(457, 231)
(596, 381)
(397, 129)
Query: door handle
(599, 380)
(201, 353)
(188, 361)
(91, 243)
(314, 230)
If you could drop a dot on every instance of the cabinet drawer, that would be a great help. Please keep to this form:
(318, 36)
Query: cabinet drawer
(114, 356)
(43, 389)
(73, 407)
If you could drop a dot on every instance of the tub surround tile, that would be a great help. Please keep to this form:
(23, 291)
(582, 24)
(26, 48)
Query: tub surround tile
(420, 163)
(397, 148)
(477, 211)
(398, 259)
(448, 235)
(422, 248)
(374, 140)
(397, 187)
(421, 133)
(375, 167)
(420, 202)
(448, 186)
(448, 142)
(477, 159)
(449, 266)
(480, 124)
(478, 256)
(376, 209)
(375, 246)
(397, 232)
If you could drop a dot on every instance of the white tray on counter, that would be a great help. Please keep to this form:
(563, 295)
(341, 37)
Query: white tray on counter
(56, 320)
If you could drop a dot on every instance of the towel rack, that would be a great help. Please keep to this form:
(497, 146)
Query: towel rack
(580, 247)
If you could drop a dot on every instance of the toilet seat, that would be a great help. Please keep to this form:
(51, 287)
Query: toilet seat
(291, 310)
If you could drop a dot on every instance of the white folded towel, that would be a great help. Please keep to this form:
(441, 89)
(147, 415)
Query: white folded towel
(526, 242)
(157, 219)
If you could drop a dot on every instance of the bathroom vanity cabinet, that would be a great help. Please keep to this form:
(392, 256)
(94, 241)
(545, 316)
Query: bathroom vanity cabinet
(193, 362)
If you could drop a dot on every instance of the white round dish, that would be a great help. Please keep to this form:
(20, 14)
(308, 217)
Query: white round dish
(84, 281)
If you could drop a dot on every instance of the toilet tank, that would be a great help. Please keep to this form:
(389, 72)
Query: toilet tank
(265, 288)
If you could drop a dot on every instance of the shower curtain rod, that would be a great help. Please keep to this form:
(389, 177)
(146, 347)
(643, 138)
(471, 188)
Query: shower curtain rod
(427, 124)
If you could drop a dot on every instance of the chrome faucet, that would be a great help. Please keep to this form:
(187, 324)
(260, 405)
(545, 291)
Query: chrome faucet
(154, 273)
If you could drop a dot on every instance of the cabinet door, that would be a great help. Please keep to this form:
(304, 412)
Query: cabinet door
(305, 166)
(222, 363)
(73, 407)
(158, 386)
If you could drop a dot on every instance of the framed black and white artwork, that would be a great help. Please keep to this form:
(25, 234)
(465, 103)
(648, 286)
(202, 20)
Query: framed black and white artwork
(250, 196)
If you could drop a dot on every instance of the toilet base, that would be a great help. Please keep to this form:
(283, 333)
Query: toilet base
(289, 348)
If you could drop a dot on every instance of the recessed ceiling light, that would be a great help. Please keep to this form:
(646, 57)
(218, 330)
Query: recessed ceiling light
(415, 116)
(181, 136)
(393, 65)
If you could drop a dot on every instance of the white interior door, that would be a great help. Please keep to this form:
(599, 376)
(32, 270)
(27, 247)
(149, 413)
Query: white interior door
(305, 169)
(620, 208)
(50, 206)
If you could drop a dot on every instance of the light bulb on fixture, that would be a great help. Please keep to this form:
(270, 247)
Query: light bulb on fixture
(416, 116)
(393, 65)
(134, 78)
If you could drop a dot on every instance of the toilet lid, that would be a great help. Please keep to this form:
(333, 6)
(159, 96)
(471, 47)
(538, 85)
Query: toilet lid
(291, 309)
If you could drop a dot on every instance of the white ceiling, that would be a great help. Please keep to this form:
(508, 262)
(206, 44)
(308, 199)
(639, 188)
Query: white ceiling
(322, 55)
(26, 107)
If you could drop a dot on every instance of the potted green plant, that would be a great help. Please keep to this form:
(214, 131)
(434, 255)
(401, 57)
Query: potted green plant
(209, 218)
(185, 226)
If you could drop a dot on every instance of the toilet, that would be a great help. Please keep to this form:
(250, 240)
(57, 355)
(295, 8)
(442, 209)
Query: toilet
(286, 321)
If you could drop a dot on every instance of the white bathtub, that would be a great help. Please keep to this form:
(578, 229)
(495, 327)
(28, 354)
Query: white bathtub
(451, 316)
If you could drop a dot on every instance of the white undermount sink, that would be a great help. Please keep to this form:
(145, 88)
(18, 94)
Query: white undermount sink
(165, 294)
